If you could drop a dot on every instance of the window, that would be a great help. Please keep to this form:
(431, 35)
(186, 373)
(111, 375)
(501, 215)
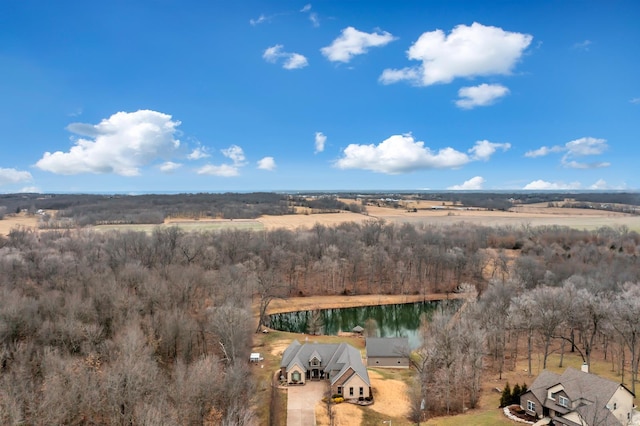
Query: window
(361, 391)
(531, 406)
(315, 362)
(615, 405)
(563, 401)
(295, 376)
(339, 390)
(350, 391)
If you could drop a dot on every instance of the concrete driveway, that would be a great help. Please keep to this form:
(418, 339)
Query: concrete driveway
(301, 403)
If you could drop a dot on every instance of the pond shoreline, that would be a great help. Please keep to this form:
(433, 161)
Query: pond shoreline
(295, 304)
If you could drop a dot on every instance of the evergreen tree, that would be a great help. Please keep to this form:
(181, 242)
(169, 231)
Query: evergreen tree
(515, 395)
(505, 399)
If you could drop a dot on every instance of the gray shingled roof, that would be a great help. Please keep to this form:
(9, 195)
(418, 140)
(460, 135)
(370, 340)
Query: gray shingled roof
(544, 381)
(387, 347)
(336, 358)
(594, 390)
(578, 384)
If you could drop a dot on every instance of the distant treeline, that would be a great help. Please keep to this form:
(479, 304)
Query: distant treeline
(90, 209)
(505, 200)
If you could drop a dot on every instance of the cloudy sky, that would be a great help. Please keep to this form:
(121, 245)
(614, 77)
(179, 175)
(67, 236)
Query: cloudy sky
(196, 96)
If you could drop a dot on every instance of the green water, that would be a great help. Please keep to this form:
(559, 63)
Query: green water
(401, 320)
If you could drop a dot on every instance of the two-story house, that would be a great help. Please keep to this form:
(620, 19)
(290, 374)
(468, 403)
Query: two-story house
(578, 398)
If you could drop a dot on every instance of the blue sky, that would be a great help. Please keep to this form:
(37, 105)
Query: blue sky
(197, 96)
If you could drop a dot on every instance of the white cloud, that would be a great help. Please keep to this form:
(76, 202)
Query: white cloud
(295, 61)
(169, 167)
(482, 95)
(235, 154)
(31, 189)
(353, 42)
(199, 153)
(223, 170)
(635, 100)
(291, 61)
(313, 17)
(468, 51)
(474, 183)
(578, 165)
(544, 185)
(8, 176)
(319, 142)
(542, 151)
(586, 146)
(599, 184)
(578, 148)
(272, 53)
(583, 45)
(259, 20)
(483, 150)
(267, 163)
(120, 144)
(399, 154)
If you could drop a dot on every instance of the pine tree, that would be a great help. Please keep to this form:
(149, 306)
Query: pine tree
(505, 399)
(515, 395)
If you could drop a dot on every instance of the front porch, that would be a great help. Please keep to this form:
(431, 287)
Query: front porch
(316, 374)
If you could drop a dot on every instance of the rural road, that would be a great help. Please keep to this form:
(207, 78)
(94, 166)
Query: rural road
(301, 403)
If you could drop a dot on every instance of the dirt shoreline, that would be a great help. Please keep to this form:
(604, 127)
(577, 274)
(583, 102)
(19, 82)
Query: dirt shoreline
(293, 304)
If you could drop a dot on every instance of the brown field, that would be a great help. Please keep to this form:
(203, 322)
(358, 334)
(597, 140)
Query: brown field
(18, 220)
(429, 212)
(521, 215)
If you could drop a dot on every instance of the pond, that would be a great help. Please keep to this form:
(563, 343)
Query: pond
(400, 320)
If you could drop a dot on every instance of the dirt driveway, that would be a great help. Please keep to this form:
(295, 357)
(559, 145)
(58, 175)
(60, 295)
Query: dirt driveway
(301, 403)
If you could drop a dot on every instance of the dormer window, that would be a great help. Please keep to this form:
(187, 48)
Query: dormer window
(315, 362)
(563, 401)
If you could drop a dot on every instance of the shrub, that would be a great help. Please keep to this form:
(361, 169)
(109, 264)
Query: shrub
(338, 400)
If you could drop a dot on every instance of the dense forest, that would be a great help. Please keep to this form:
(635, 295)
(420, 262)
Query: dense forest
(134, 328)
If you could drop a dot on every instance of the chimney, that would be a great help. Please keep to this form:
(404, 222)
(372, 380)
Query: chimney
(585, 367)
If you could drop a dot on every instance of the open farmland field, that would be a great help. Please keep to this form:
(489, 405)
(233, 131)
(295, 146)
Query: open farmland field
(19, 220)
(522, 215)
(189, 225)
(428, 212)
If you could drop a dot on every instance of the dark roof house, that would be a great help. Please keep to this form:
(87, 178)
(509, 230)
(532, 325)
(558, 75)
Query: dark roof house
(578, 398)
(340, 364)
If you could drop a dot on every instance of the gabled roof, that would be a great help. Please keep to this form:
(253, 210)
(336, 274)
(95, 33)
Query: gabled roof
(315, 355)
(591, 391)
(578, 384)
(389, 347)
(340, 358)
(544, 381)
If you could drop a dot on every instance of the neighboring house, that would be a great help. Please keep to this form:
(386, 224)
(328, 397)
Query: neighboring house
(340, 364)
(390, 352)
(578, 398)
